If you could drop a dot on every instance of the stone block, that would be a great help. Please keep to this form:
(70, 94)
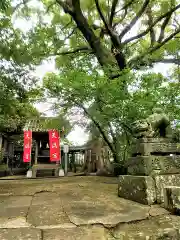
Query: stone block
(29, 173)
(162, 181)
(146, 148)
(137, 188)
(43, 167)
(153, 165)
(61, 173)
(172, 198)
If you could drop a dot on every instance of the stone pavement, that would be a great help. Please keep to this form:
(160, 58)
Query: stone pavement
(78, 208)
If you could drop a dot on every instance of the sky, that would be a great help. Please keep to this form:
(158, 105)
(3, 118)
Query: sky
(77, 136)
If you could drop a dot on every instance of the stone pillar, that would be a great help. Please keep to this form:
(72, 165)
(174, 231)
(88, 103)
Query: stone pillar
(5, 145)
(1, 140)
(36, 152)
(73, 161)
(1, 152)
(11, 149)
(89, 160)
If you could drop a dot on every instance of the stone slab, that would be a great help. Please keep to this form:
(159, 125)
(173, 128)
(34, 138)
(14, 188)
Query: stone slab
(172, 198)
(148, 148)
(78, 233)
(153, 165)
(108, 213)
(162, 181)
(14, 222)
(137, 188)
(46, 209)
(13, 207)
(69, 202)
(20, 234)
(156, 228)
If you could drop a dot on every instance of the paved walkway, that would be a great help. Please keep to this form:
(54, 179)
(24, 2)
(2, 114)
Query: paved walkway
(82, 208)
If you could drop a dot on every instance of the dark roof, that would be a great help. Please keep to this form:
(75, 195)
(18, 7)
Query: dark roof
(43, 124)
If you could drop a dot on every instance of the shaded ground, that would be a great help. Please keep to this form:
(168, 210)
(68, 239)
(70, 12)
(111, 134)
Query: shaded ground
(78, 208)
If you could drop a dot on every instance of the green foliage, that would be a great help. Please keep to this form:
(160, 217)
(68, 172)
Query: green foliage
(85, 62)
(4, 4)
(111, 107)
(16, 82)
(57, 31)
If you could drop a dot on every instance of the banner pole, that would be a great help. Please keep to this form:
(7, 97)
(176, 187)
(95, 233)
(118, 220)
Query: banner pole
(65, 159)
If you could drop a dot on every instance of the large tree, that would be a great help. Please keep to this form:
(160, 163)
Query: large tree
(118, 37)
(119, 33)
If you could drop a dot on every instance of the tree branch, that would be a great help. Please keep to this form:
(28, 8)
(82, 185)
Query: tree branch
(152, 25)
(84, 49)
(67, 8)
(168, 60)
(135, 19)
(153, 49)
(172, 35)
(125, 8)
(150, 20)
(113, 9)
(75, 11)
(102, 16)
(64, 27)
(71, 33)
(114, 37)
(127, 5)
(98, 127)
(50, 5)
(166, 20)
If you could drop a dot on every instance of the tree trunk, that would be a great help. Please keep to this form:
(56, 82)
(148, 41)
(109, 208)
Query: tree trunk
(110, 61)
(97, 161)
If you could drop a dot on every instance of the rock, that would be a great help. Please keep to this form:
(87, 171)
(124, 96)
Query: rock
(165, 180)
(172, 198)
(137, 188)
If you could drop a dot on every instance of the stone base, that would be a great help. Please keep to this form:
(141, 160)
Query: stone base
(153, 165)
(146, 189)
(61, 172)
(137, 188)
(29, 174)
(172, 199)
(165, 180)
(42, 167)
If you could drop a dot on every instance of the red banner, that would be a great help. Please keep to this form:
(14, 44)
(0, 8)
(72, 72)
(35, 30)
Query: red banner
(54, 145)
(27, 146)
